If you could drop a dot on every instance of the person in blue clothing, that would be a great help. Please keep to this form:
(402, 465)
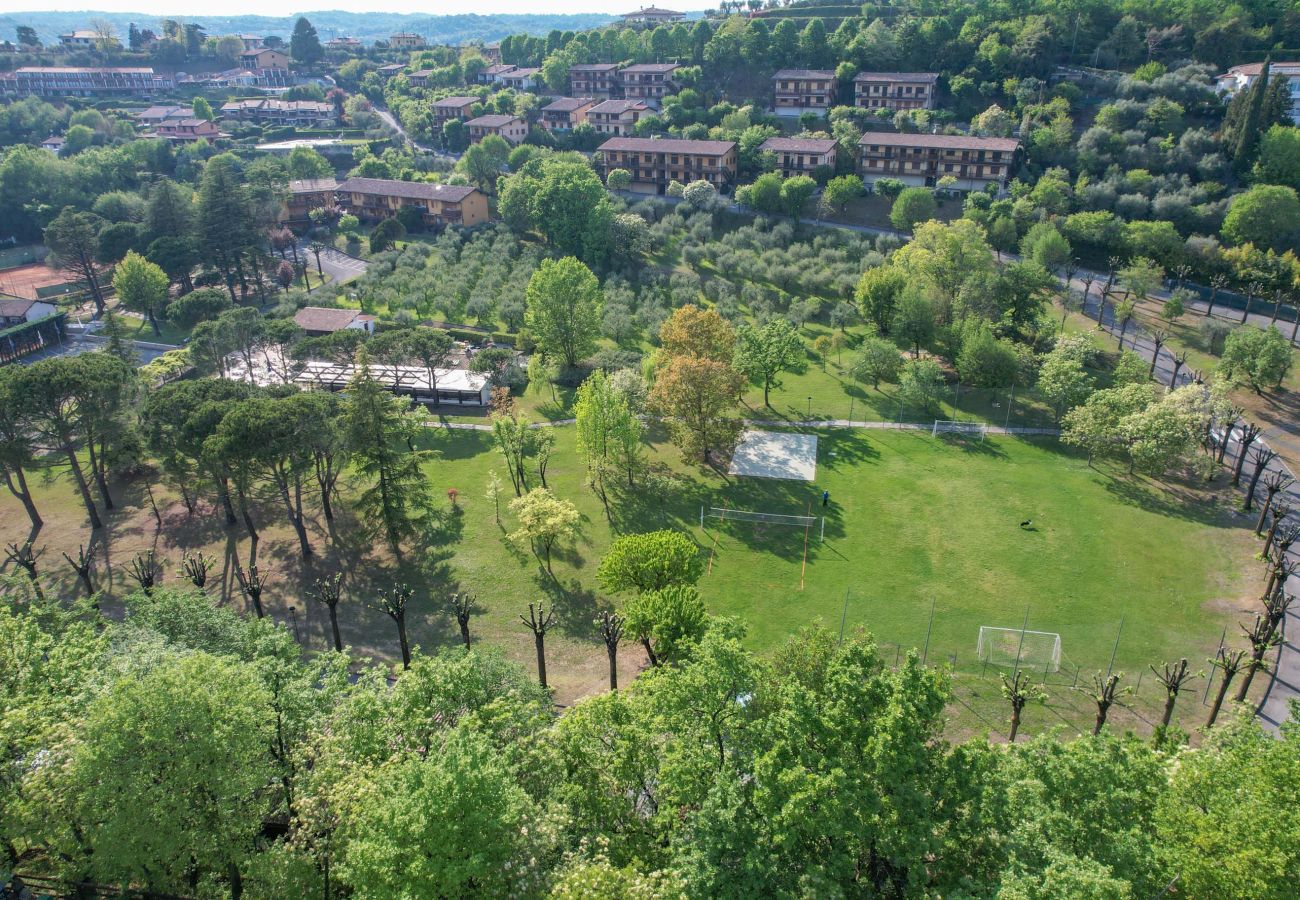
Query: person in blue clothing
(826, 498)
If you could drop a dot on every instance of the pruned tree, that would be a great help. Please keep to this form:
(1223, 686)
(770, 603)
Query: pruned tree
(1105, 692)
(1274, 483)
(1217, 283)
(1263, 455)
(539, 621)
(394, 603)
(1229, 663)
(24, 556)
(611, 632)
(328, 591)
(1249, 432)
(1263, 636)
(1278, 515)
(196, 567)
(1180, 360)
(252, 582)
(82, 566)
(1280, 569)
(1228, 421)
(1018, 690)
(146, 571)
(462, 606)
(1173, 677)
(1276, 606)
(1158, 338)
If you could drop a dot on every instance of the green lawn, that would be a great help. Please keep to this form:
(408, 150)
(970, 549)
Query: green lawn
(914, 521)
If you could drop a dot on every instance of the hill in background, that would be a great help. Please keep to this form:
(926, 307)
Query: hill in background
(366, 27)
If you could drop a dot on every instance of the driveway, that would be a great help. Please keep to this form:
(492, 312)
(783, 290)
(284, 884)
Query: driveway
(340, 267)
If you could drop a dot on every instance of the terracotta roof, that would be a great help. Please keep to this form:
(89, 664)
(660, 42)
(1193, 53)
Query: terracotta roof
(312, 185)
(798, 145)
(491, 121)
(1255, 69)
(652, 67)
(455, 102)
(593, 67)
(416, 190)
(667, 145)
(499, 69)
(567, 104)
(320, 318)
(522, 72)
(619, 106)
(650, 11)
(822, 74)
(937, 141)
(916, 77)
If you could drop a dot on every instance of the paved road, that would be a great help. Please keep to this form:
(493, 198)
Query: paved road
(340, 267)
(391, 121)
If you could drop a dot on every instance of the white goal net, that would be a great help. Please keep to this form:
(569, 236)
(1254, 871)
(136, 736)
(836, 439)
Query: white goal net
(1038, 651)
(952, 426)
(741, 515)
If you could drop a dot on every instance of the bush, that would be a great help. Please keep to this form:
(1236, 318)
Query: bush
(913, 206)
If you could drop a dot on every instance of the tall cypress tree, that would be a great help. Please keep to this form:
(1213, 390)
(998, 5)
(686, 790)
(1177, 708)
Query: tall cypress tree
(1247, 137)
(304, 45)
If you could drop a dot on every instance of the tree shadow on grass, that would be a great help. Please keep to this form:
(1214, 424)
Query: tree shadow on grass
(971, 445)
(575, 606)
(1178, 501)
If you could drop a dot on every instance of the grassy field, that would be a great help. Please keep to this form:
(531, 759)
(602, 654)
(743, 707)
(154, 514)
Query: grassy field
(913, 522)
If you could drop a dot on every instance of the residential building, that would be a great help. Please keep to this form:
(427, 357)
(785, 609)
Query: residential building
(156, 115)
(79, 40)
(512, 128)
(307, 194)
(187, 131)
(388, 71)
(322, 320)
(648, 81)
(264, 59)
(419, 78)
(441, 204)
(651, 16)
(492, 74)
(269, 111)
(654, 162)
(599, 80)
(251, 42)
(521, 79)
(895, 90)
(800, 156)
(922, 159)
(796, 90)
(453, 108)
(617, 117)
(404, 40)
(345, 44)
(235, 78)
(53, 143)
(492, 52)
(18, 310)
(1240, 77)
(76, 81)
(565, 113)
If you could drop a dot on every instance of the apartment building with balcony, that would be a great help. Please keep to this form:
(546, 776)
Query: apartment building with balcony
(187, 131)
(524, 78)
(1241, 77)
(306, 194)
(565, 113)
(493, 74)
(404, 40)
(449, 108)
(800, 156)
(512, 128)
(655, 162)
(617, 117)
(651, 17)
(261, 59)
(895, 90)
(599, 80)
(650, 82)
(87, 81)
(294, 113)
(797, 90)
(922, 159)
(441, 204)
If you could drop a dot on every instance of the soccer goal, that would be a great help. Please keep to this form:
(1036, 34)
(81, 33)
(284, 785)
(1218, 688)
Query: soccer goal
(1038, 651)
(952, 426)
(742, 515)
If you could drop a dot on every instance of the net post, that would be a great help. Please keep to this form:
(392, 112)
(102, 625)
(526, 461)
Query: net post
(822, 538)
(701, 516)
